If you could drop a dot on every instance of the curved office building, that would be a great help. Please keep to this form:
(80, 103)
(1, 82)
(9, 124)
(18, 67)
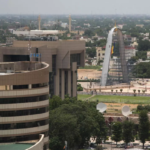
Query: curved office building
(24, 101)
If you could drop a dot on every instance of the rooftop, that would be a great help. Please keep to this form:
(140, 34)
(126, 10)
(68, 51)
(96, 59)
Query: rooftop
(15, 146)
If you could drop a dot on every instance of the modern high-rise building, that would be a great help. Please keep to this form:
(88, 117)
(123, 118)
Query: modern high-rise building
(30, 73)
(24, 102)
(63, 57)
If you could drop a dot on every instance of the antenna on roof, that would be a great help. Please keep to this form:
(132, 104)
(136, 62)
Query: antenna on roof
(101, 107)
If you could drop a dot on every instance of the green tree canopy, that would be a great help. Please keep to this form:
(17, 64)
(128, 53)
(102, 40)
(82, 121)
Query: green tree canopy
(127, 133)
(88, 32)
(117, 132)
(142, 70)
(143, 126)
(75, 122)
(144, 45)
(91, 52)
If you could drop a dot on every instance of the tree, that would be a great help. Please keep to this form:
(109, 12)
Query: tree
(127, 133)
(91, 52)
(54, 102)
(75, 122)
(79, 87)
(144, 45)
(117, 132)
(142, 70)
(143, 126)
(89, 32)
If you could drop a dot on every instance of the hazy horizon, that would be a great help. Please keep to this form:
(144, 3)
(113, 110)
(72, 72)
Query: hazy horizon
(75, 7)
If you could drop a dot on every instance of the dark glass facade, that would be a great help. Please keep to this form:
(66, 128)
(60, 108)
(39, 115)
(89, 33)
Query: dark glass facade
(23, 125)
(54, 64)
(75, 58)
(71, 83)
(66, 82)
(24, 99)
(60, 82)
(24, 112)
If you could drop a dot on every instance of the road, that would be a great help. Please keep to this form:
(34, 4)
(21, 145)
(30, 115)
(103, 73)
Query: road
(108, 147)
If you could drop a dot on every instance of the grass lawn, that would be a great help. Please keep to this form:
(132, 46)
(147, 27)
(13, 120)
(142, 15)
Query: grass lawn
(91, 67)
(117, 99)
(82, 97)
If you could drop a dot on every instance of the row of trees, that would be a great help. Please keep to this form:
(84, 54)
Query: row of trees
(127, 130)
(96, 43)
(144, 45)
(77, 121)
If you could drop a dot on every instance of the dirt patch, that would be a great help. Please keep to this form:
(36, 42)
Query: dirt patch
(89, 73)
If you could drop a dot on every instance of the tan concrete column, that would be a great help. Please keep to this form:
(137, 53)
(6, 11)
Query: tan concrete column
(74, 84)
(10, 87)
(69, 82)
(56, 78)
(62, 85)
(30, 86)
(74, 70)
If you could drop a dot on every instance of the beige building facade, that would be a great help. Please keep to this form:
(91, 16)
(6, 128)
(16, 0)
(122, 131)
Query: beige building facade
(100, 53)
(24, 102)
(63, 57)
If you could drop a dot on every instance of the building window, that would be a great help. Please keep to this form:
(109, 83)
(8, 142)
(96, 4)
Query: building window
(99, 54)
(23, 99)
(60, 82)
(54, 64)
(20, 87)
(75, 58)
(24, 112)
(71, 83)
(51, 84)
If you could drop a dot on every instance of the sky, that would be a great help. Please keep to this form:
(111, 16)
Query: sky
(74, 7)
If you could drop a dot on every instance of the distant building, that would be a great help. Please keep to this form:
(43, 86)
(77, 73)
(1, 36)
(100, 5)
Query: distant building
(100, 53)
(134, 44)
(140, 25)
(87, 24)
(129, 52)
(120, 26)
(9, 40)
(148, 55)
(64, 25)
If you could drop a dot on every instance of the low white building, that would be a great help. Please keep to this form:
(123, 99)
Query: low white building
(100, 53)
(129, 52)
(148, 55)
(134, 44)
(64, 25)
(140, 25)
(120, 26)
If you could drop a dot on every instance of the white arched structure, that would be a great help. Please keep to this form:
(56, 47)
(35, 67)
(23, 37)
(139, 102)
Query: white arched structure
(108, 56)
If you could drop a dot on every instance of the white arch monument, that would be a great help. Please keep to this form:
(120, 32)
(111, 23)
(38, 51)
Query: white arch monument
(107, 57)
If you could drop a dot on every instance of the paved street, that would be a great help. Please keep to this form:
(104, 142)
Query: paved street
(113, 147)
